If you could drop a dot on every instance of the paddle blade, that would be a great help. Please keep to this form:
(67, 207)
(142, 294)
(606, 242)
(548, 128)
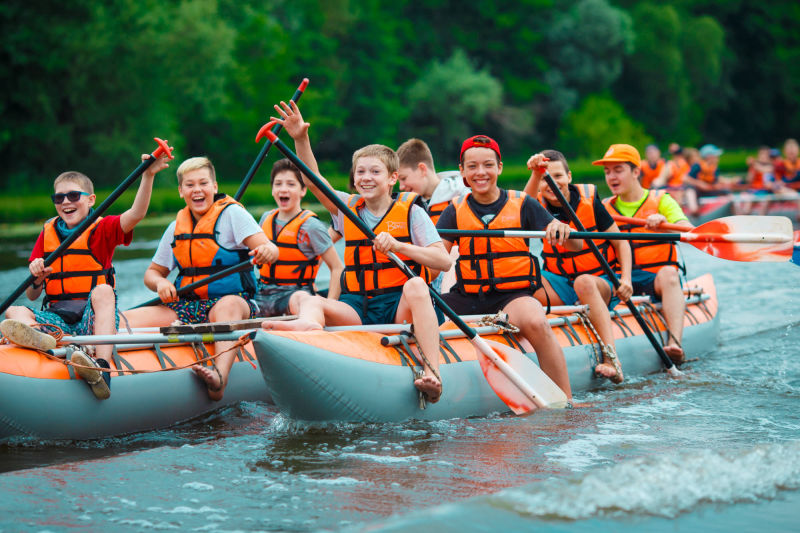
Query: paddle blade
(744, 238)
(504, 378)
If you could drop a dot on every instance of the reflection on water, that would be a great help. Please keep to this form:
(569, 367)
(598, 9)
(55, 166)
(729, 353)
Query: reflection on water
(716, 449)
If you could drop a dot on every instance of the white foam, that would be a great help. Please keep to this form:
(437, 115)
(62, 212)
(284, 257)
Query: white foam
(663, 485)
(343, 480)
(196, 485)
(385, 459)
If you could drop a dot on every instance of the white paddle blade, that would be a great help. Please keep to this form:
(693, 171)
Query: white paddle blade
(745, 238)
(518, 381)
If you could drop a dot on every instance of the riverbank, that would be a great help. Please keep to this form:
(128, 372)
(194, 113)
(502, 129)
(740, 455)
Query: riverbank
(22, 214)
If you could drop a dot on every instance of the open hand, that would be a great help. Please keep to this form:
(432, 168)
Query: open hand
(157, 166)
(291, 119)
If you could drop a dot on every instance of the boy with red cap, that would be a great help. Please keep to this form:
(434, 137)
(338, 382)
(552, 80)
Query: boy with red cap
(655, 263)
(500, 274)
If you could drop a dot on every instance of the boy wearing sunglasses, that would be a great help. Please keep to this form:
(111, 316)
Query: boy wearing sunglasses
(79, 285)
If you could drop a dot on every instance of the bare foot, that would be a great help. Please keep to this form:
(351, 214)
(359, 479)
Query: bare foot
(213, 380)
(607, 370)
(298, 324)
(430, 387)
(674, 352)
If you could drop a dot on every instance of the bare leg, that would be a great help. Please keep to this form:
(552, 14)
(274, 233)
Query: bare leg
(416, 305)
(22, 314)
(528, 315)
(314, 312)
(546, 292)
(668, 287)
(103, 302)
(152, 316)
(596, 293)
(228, 308)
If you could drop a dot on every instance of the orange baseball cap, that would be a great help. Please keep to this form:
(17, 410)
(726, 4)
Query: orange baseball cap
(620, 153)
(480, 141)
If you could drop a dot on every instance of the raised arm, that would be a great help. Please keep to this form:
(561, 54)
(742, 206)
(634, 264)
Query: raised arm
(138, 210)
(293, 123)
(537, 164)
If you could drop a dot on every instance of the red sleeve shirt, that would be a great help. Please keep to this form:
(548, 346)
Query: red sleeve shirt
(106, 238)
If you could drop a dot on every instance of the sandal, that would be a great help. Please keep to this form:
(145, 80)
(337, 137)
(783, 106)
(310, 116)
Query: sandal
(26, 336)
(90, 371)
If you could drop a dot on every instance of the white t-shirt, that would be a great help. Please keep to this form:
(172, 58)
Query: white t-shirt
(234, 225)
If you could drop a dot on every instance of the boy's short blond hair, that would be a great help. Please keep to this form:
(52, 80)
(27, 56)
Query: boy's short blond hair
(414, 151)
(386, 155)
(81, 180)
(195, 163)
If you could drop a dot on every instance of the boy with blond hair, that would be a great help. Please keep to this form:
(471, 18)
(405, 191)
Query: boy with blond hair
(79, 285)
(374, 290)
(213, 232)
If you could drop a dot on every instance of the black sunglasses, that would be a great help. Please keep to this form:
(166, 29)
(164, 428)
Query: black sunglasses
(72, 196)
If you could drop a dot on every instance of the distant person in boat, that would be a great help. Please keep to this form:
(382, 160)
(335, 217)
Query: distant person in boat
(500, 274)
(374, 290)
(79, 286)
(761, 172)
(788, 168)
(655, 264)
(302, 240)
(417, 174)
(213, 232)
(570, 277)
(653, 166)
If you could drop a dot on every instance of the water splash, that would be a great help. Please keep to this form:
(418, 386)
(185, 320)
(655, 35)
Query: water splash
(662, 486)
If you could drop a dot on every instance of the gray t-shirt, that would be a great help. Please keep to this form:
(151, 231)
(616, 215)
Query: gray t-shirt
(312, 237)
(423, 232)
(235, 224)
(312, 240)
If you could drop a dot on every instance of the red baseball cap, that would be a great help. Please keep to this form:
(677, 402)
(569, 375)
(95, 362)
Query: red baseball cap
(480, 141)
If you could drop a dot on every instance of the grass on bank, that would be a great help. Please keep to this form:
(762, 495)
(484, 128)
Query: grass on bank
(23, 215)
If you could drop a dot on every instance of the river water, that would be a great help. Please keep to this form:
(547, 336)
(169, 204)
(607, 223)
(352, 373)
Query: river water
(717, 450)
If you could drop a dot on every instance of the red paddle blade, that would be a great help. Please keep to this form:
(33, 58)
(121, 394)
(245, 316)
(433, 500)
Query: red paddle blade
(550, 395)
(744, 238)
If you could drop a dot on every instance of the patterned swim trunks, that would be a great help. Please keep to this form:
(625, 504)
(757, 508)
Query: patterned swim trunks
(196, 311)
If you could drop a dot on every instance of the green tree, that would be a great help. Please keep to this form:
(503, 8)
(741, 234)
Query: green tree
(596, 124)
(451, 101)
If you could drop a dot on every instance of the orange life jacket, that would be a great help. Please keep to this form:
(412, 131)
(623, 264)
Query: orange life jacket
(650, 173)
(368, 272)
(679, 168)
(563, 262)
(708, 173)
(199, 254)
(292, 266)
(647, 255)
(502, 264)
(436, 210)
(77, 271)
(790, 173)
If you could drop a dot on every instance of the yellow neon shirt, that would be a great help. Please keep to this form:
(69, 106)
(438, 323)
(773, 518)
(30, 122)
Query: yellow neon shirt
(667, 207)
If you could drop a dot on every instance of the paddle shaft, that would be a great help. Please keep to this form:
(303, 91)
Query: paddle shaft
(622, 236)
(265, 149)
(469, 332)
(241, 267)
(642, 222)
(567, 209)
(149, 338)
(88, 221)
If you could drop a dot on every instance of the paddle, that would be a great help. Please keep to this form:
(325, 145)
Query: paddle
(163, 148)
(566, 208)
(240, 267)
(736, 238)
(238, 196)
(263, 153)
(513, 383)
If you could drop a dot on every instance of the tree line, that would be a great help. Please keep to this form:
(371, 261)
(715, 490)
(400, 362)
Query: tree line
(86, 84)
